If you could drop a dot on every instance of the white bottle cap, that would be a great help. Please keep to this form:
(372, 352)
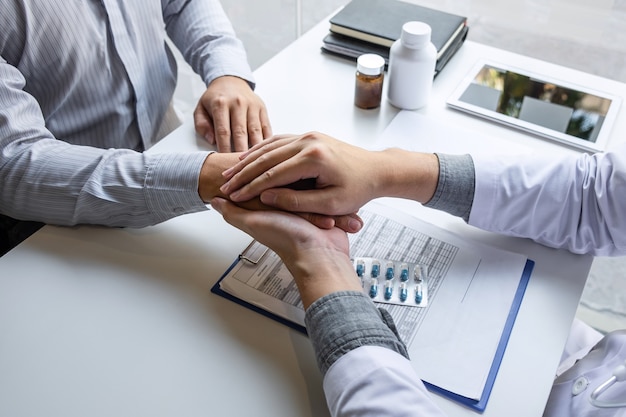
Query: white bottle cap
(415, 34)
(370, 64)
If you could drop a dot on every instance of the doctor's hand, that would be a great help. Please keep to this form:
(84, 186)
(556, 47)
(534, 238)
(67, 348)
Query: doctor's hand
(230, 115)
(211, 179)
(317, 258)
(346, 176)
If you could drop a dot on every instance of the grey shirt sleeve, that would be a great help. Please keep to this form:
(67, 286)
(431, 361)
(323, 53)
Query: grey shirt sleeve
(342, 321)
(455, 189)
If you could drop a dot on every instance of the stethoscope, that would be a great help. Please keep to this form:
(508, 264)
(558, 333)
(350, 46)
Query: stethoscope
(619, 374)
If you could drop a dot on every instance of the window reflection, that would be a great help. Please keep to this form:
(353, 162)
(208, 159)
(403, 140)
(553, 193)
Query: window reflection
(549, 105)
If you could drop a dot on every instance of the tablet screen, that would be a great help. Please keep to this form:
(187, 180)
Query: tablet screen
(552, 109)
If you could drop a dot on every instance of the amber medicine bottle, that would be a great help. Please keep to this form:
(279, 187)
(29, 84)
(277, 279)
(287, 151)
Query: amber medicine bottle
(368, 88)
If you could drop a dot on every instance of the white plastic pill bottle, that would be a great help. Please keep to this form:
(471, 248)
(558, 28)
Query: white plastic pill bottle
(412, 60)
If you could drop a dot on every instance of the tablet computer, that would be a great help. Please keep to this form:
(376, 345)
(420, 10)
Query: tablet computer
(554, 109)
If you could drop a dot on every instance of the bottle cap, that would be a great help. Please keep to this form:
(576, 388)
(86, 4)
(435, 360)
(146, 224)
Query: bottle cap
(370, 64)
(415, 34)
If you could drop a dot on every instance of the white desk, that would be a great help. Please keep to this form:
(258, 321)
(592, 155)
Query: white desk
(116, 322)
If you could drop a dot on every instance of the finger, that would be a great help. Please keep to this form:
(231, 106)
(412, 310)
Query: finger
(350, 223)
(233, 214)
(258, 149)
(255, 129)
(239, 129)
(253, 153)
(266, 126)
(319, 220)
(262, 175)
(254, 148)
(226, 209)
(218, 203)
(259, 162)
(202, 123)
(266, 151)
(322, 201)
(221, 128)
(275, 229)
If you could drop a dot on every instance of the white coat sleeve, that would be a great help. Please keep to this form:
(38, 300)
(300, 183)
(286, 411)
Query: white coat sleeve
(365, 364)
(574, 202)
(376, 381)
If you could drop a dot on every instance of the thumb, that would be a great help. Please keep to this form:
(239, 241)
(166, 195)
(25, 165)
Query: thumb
(233, 214)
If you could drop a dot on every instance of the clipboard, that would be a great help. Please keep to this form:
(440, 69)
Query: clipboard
(253, 257)
(481, 404)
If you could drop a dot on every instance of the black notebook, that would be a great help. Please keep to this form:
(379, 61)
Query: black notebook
(351, 48)
(380, 22)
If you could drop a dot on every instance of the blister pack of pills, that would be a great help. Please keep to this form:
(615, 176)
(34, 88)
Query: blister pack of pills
(393, 282)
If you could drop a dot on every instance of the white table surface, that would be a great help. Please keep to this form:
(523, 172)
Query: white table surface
(102, 322)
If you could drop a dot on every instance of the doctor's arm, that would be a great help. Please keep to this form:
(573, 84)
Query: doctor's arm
(572, 202)
(365, 364)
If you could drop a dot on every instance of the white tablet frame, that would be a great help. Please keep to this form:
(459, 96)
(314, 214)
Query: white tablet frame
(586, 145)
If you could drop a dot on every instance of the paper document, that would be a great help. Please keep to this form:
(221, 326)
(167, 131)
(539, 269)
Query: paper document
(416, 132)
(453, 340)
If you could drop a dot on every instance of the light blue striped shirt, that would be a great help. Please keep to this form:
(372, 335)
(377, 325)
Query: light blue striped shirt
(84, 85)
